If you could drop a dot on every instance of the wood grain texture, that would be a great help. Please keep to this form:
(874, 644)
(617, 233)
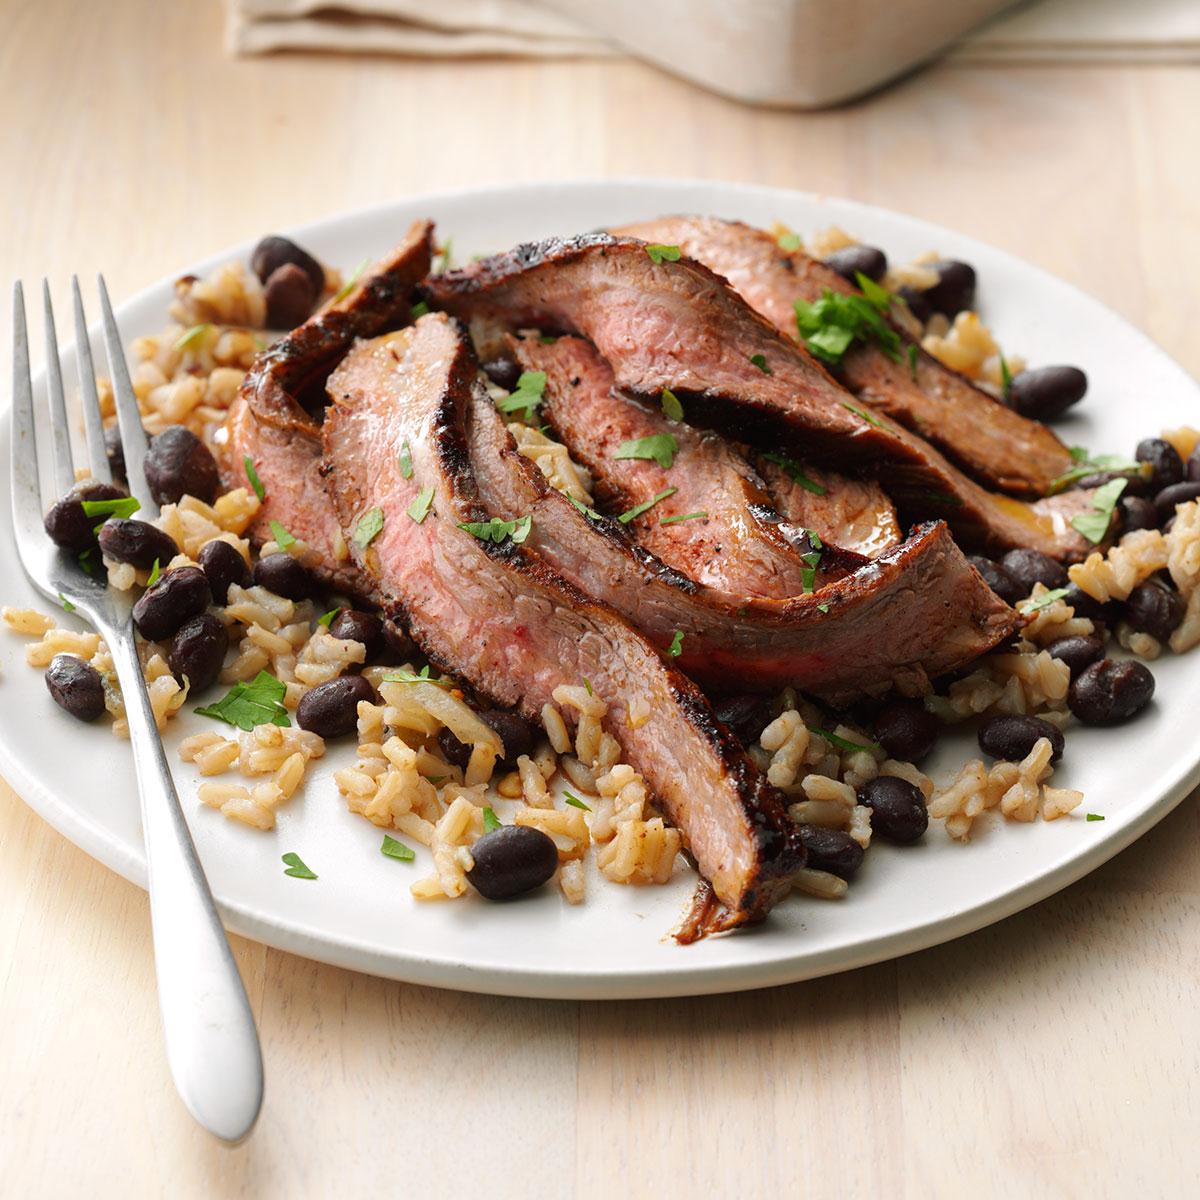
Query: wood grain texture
(1053, 1055)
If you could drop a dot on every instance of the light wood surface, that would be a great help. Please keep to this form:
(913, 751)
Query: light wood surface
(1052, 1055)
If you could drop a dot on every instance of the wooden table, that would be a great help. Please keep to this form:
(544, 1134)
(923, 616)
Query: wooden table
(1053, 1055)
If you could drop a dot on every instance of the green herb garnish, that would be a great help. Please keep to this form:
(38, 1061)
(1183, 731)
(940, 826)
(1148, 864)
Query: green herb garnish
(808, 577)
(1094, 525)
(418, 310)
(682, 517)
(795, 472)
(823, 608)
(660, 447)
(760, 361)
(1087, 464)
(191, 335)
(123, 506)
(671, 406)
(547, 339)
(675, 649)
(419, 508)
(645, 506)
(491, 822)
(348, 286)
(828, 326)
(369, 527)
(395, 849)
(87, 560)
(327, 619)
(295, 866)
(591, 513)
(252, 475)
(843, 743)
(913, 355)
(587, 686)
(283, 539)
(155, 572)
(660, 253)
(1095, 817)
(574, 801)
(403, 675)
(496, 530)
(789, 242)
(1033, 604)
(447, 249)
(259, 702)
(67, 605)
(1005, 379)
(866, 416)
(405, 459)
(528, 394)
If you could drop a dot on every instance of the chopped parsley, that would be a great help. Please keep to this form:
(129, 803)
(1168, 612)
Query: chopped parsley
(671, 406)
(349, 285)
(587, 685)
(1095, 817)
(675, 649)
(123, 506)
(1005, 379)
(1094, 525)
(660, 447)
(87, 560)
(395, 849)
(795, 472)
(808, 577)
(1088, 464)
(828, 326)
(844, 743)
(328, 618)
(660, 253)
(528, 394)
(491, 822)
(369, 527)
(645, 506)
(814, 539)
(67, 605)
(419, 508)
(252, 475)
(574, 801)
(760, 361)
(282, 538)
(823, 608)
(418, 310)
(405, 459)
(259, 702)
(155, 572)
(878, 295)
(496, 530)
(591, 513)
(789, 242)
(547, 339)
(404, 675)
(682, 517)
(1036, 604)
(447, 250)
(913, 355)
(866, 416)
(189, 336)
(295, 866)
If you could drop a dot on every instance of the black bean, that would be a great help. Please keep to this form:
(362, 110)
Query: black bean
(223, 567)
(955, 288)
(274, 251)
(998, 579)
(1165, 464)
(290, 297)
(399, 645)
(831, 850)
(366, 628)
(1193, 466)
(198, 651)
(917, 304)
(906, 730)
(285, 576)
(1078, 652)
(1011, 737)
(512, 860)
(897, 807)
(1110, 692)
(114, 450)
(1047, 392)
(1177, 493)
(1135, 484)
(746, 715)
(76, 686)
(851, 260)
(1028, 567)
(331, 709)
(514, 732)
(66, 522)
(179, 595)
(1085, 605)
(178, 463)
(1155, 609)
(1136, 512)
(503, 372)
(136, 542)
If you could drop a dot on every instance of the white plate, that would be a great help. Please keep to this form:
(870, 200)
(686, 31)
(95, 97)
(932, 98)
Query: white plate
(359, 913)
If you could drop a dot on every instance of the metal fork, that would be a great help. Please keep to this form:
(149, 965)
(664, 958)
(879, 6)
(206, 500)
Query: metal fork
(211, 1041)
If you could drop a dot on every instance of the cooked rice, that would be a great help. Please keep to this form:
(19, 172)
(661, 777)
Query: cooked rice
(967, 346)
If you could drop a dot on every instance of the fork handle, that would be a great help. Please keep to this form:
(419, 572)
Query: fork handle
(211, 1040)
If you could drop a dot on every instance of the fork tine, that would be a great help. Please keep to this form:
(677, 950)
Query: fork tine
(60, 431)
(133, 434)
(92, 422)
(26, 495)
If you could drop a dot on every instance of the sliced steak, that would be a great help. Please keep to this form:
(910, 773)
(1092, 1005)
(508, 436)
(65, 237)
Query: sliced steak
(275, 421)
(913, 613)
(502, 619)
(717, 525)
(987, 439)
(678, 325)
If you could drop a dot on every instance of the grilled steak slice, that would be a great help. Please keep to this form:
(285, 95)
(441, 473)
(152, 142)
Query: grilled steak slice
(852, 513)
(678, 325)
(501, 618)
(914, 612)
(275, 421)
(986, 438)
(717, 525)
